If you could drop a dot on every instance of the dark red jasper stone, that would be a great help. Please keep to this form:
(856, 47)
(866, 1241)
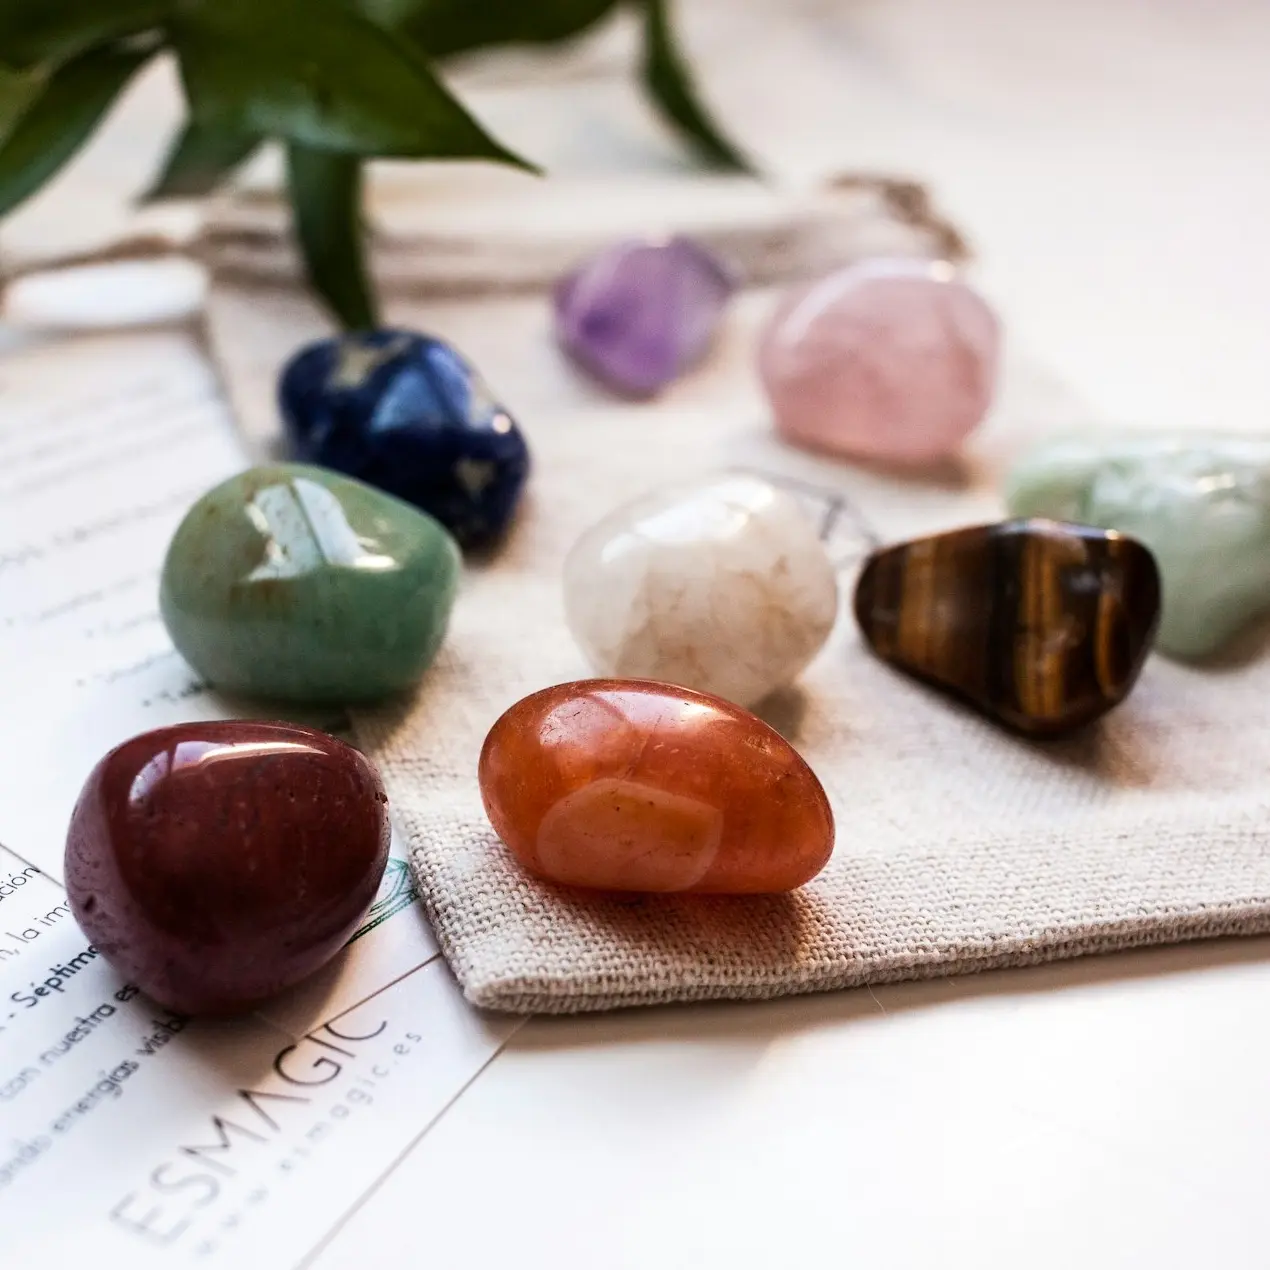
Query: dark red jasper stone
(216, 864)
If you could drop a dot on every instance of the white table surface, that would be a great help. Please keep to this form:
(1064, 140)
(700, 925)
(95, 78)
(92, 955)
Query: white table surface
(1108, 159)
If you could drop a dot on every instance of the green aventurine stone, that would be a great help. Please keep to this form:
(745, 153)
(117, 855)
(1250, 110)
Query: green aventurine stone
(1200, 503)
(293, 583)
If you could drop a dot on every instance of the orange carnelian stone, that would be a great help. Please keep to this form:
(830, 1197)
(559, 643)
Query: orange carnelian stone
(631, 785)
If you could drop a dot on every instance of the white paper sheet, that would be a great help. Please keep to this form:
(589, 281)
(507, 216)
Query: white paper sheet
(126, 1133)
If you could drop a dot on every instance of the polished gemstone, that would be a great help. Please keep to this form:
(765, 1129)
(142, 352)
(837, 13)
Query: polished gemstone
(1042, 626)
(409, 415)
(639, 314)
(629, 785)
(216, 864)
(1201, 503)
(719, 584)
(893, 361)
(294, 583)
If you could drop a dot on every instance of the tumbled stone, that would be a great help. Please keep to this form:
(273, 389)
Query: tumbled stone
(1200, 502)
(216, 864)
(293, 583)
(888, 360)
(628, 785)
(720, 584)
(1042, 626)
(639, 314)
(409, 415)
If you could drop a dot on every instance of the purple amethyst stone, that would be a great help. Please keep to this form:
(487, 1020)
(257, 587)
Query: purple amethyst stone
(639, 314)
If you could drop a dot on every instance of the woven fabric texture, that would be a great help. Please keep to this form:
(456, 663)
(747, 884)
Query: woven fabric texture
(959, 847)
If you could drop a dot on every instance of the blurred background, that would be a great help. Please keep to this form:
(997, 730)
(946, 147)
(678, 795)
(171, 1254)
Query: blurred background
(1104, 159)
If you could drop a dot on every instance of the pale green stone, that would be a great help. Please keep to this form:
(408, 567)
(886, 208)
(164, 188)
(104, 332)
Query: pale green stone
(1200, 503)
(298, 584)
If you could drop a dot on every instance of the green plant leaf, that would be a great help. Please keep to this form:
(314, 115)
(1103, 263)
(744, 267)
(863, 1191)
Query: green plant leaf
(18, 89)
(393, 14)
(324, 77)
(669, 83)
(326, 206)
(446, 27)
(200, 158)
(34, 31)
(60, 119)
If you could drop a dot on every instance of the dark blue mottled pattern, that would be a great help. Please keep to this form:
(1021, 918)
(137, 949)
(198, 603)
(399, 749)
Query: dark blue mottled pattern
(407, 414)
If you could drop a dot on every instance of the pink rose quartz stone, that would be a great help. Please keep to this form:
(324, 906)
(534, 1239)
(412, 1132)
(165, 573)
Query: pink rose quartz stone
(888, 360)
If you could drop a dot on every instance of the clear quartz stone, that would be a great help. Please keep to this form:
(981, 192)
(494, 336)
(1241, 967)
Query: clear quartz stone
(718, 584)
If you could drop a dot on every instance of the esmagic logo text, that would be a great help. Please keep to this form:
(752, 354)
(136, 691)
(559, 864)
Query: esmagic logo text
(209, 1183)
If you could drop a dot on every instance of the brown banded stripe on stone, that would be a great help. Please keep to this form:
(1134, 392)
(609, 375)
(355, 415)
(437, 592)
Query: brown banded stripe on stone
(1041, 625)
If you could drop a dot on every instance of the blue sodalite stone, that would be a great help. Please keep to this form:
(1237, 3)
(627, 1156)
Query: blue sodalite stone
(407, 414)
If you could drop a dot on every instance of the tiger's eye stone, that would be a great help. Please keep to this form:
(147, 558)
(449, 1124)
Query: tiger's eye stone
(1043, 626)
(633, 785)
(216, 864)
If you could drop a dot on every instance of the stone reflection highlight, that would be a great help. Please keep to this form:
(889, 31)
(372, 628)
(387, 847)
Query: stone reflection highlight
(1042, 626)
(216, 864)
(292, 583)
(635, 785)
(408, 414)
(720, 584)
